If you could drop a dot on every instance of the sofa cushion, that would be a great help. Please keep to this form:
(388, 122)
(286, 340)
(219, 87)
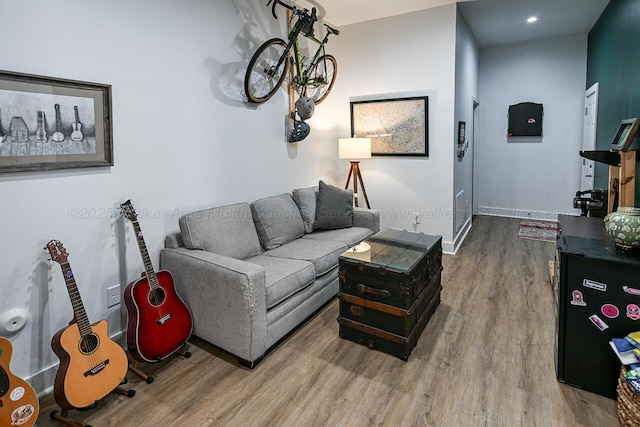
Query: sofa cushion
(323, 254)
(277, 220)
(334, 208)
(284, 277)
(305, 198)
(349, 236)
(225, 230)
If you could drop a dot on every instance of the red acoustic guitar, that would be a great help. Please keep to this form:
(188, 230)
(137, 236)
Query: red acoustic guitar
(18, 400)
(159, 322)
(92, 365)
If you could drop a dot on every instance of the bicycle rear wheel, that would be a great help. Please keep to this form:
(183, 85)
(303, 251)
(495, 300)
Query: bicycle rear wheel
(263, 76)
(321, 78)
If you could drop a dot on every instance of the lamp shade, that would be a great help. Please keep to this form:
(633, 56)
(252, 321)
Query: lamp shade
(354, 148)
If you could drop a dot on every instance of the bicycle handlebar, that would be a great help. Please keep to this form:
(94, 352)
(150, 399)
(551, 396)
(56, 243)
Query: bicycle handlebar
(275, 3)
(313, 16)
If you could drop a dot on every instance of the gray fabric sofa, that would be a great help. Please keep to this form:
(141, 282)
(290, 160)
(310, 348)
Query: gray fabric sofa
(251, 273)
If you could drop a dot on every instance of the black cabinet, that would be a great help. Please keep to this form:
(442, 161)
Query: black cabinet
(597, 298)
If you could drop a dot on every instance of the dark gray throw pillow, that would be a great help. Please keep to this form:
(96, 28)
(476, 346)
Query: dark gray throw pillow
(334, 208)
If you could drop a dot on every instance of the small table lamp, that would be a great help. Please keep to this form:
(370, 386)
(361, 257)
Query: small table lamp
(354, 149)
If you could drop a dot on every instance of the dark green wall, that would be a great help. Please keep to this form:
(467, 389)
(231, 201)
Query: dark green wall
(614, 61)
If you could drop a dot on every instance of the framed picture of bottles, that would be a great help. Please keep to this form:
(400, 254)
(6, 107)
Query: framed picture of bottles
(51, 123)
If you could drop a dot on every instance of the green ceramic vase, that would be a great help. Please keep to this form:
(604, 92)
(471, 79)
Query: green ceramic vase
(624, 227)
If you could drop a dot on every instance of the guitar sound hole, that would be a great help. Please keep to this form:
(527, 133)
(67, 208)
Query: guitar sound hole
(4, 382)
(89, 343)
(157, 297)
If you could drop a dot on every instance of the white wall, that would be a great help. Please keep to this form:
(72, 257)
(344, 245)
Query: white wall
(405, 55)
(467, 61)
(536, 178)
(183, 140)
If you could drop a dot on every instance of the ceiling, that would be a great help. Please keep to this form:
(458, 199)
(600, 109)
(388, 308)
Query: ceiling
(498, 22)
(492, 22)
(344, 12)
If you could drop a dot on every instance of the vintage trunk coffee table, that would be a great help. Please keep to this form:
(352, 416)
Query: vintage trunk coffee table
(389, 293)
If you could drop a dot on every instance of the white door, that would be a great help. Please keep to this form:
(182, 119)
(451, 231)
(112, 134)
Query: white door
(589, 138)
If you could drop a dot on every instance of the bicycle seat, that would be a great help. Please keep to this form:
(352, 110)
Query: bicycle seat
(332, 30)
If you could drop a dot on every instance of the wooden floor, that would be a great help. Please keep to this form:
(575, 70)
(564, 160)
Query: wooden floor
(485, 359)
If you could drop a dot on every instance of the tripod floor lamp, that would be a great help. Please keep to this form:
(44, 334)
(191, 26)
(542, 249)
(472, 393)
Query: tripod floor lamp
(355, 149)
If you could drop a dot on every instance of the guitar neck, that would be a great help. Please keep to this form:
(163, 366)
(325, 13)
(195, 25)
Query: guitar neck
(146, 260)
(77, 116)
(79, 312)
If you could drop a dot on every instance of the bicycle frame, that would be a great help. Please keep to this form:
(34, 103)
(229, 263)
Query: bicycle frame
(301, 79)
(267, 69)
(303, 75)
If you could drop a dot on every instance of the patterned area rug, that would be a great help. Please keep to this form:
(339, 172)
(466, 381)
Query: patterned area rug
(538, 230)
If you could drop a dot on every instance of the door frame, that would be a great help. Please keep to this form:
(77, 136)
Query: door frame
(475, 103)
(589, 139)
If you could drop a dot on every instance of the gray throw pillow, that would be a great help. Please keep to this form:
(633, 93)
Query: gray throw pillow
(334, 208)
(277, 220)
(305, 198)
(224, 230)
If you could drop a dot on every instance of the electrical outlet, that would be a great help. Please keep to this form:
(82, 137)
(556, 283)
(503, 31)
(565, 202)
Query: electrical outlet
(113, 295)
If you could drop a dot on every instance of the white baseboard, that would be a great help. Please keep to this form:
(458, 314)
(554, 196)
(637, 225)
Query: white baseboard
(462, 235)
(519, 213)
(448, 248)
(42, 381)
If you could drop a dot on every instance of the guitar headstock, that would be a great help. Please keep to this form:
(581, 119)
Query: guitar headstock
(58, 253)
(128, 211)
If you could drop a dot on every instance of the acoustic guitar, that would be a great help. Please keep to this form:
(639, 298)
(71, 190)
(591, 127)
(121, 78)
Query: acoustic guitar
(3, 135)
(76, 134)
(159, 322)
(18, 400)
(91, 364)
(58, 136)
(41, 133)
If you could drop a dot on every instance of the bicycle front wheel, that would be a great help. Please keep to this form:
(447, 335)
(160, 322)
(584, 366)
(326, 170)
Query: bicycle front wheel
(321, 78)
(264, 76)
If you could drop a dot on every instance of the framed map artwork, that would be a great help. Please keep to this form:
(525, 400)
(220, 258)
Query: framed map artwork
(397, 127)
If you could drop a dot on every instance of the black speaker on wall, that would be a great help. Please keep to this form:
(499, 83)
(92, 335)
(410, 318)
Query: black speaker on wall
(525, 119)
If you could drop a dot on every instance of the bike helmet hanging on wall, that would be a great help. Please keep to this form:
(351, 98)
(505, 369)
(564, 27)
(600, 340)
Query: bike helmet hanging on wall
(299, 131)
(305, 107)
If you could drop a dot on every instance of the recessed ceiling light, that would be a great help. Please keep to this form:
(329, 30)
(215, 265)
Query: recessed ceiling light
(532, 19)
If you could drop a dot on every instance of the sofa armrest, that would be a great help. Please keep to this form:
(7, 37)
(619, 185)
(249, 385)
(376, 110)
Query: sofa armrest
(173, 240)
(226, 297)
(369, 218)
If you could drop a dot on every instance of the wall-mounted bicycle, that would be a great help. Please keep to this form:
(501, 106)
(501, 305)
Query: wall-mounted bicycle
(269, 65)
